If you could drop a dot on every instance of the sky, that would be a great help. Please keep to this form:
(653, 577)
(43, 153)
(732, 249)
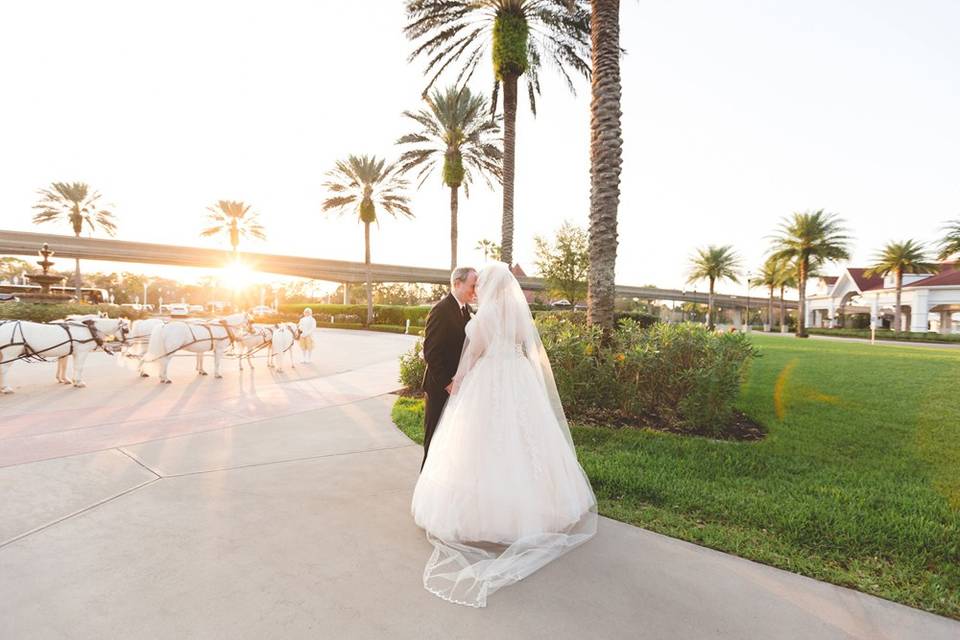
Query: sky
(735, 114)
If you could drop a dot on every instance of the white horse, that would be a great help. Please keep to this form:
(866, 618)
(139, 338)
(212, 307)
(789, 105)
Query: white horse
(198, 338)
(260, 338)
(23, 340)
(284, 335)
(139, 337)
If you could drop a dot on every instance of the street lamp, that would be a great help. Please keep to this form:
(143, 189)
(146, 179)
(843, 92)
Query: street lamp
(749, 276)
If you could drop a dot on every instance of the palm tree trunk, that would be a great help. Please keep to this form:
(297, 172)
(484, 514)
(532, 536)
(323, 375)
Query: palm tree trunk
(783, 311)
(369, 273)
(710, 323)
(897, 311)
(802, 302)
(78, 281)
(770, 312)
(509, 145)
(454, 207)
(606, 142)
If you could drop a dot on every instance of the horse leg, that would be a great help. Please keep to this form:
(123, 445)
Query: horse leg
(290, 351)
(62, 370)
(4, 387)
(200, 370)
(78, 360)
(217, 354)
(164, 364)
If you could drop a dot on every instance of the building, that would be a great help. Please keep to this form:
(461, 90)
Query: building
(928, 302)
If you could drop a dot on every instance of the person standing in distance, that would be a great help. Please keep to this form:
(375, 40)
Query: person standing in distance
(442, 344)
(307, 326)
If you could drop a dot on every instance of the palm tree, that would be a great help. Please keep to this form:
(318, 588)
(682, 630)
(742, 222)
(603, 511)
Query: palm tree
(358, 185)
(76, 203)
(809, 239)
(489, 248)
(453, 127)
(714, 263)
(236, 220)
(950, 244)
(521, 34)
(768, 278)
(786, 279)
(606, 142)
(900, 258)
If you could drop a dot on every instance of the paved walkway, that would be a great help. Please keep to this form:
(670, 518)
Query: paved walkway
(270, 505)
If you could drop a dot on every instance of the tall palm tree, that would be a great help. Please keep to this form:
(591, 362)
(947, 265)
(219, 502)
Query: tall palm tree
(714, 263)
(454, 127)
(359, 185)
(520, 34)
(769, 278)
(899, 258)
(950, 243)
(809, 239)
(606, 142)
(236, 220)
(76, 203)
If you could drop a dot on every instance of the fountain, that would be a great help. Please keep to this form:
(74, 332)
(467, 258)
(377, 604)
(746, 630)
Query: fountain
(44, 279)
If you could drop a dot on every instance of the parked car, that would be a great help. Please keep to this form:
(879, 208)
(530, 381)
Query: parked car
(196, 308)
(178, 310)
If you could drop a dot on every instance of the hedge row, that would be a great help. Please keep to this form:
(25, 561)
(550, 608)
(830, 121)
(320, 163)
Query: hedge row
(36, 312)
(393, 314)
(887, 334)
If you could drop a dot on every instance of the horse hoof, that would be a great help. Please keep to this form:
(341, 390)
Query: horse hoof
(6, 390)
(144, 375)
(167, 381)
(217, 376)
(201, 373)
(79, 385)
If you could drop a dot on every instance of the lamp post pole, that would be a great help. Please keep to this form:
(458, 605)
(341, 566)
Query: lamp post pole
(749, 276)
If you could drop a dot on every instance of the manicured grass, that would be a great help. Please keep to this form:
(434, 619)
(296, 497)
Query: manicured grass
(857, 483)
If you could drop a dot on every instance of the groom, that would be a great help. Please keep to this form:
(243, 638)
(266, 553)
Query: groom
(442, 344)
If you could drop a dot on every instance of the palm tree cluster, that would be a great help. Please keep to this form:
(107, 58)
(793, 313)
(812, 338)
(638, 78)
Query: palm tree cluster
(807, 241)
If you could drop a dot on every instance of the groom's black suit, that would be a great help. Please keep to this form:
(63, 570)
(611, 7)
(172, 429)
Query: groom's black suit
(442, 344)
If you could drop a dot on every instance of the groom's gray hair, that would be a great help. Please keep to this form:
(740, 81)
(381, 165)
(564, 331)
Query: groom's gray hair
(460, 275)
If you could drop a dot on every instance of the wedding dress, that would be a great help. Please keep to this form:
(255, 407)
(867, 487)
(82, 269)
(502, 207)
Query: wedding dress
(501, 493)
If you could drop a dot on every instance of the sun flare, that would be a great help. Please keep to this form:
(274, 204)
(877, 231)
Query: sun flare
(237, 275)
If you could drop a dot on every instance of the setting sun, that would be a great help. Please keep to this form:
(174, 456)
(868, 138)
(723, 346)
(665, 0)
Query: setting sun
(237, 275)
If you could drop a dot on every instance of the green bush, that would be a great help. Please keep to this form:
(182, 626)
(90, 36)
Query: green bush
(412, 367)
(37, 312)
(683, 374)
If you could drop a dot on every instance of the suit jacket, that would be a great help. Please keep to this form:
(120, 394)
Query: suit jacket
(443, 342)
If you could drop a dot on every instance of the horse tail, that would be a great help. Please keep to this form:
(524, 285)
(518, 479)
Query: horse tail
(156, 349)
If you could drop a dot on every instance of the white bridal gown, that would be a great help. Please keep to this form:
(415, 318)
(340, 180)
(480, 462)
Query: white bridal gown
(501, 493)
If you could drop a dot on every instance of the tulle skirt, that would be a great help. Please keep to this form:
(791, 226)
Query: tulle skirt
(501, 492)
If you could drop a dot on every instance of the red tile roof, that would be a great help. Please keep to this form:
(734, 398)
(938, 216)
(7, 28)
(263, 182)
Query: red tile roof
(830, 279)
(863, 282)
(949, 275)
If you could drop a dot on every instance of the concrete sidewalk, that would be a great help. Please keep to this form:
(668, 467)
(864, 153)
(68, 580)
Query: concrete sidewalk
(294, 523)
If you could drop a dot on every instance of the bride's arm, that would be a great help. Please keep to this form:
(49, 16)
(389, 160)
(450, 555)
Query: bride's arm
(474, 346)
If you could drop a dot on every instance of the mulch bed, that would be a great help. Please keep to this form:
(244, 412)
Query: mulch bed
(742, 428)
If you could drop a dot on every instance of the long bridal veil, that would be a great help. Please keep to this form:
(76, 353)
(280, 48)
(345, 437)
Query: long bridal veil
(467, 571)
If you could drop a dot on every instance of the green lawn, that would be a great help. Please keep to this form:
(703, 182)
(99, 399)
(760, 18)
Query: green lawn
(857, 483)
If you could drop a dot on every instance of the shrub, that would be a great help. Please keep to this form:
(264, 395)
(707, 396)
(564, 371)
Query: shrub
(412, 367)
(37, 312)
(682, 374)
(382, 313)
(346, 318)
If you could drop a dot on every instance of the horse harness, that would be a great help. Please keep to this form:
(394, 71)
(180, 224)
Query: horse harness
(30, 354)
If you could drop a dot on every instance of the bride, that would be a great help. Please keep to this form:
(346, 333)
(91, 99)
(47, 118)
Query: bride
(501, 493)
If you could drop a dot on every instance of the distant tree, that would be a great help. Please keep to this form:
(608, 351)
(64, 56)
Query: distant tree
(359, 184)
(714, 263)
(950, 243)
(806, 239)
(899, 258)
(76, 203)
(490, 249)
(11, 268)
(564, 262)
(236, 220)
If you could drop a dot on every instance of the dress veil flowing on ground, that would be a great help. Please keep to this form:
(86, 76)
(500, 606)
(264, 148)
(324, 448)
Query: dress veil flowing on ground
(501, 493)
